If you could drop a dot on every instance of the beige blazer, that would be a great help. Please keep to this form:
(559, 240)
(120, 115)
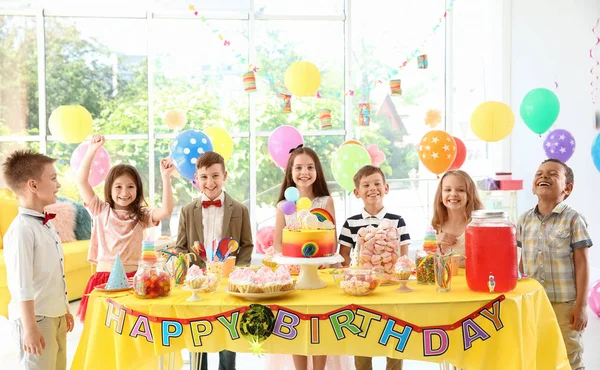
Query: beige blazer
(236, 224)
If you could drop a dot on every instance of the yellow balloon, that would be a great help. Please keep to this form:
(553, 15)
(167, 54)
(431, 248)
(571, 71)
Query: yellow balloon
(175, 119)
(302, 79)
(303, 203)
(492, 121)
(71, 124)
(221, 141)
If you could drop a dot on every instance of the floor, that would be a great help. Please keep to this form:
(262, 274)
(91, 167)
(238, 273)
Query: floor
(8, 352)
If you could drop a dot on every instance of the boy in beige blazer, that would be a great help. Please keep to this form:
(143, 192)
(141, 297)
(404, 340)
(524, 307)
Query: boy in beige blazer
(214, 216)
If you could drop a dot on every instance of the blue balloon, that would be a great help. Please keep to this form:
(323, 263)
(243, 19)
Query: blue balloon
(185, 150)
(292, 194)
(596, 152)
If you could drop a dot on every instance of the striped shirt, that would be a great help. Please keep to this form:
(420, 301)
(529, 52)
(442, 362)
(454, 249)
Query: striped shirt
(349, 233)
(547, 245)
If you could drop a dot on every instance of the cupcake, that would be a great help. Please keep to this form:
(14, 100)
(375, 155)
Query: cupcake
(284, 279)
(194, 278)
(211, 284)
(266, 281)
(404, 268)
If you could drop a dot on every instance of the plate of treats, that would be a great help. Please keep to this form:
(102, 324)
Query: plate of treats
(262, 284)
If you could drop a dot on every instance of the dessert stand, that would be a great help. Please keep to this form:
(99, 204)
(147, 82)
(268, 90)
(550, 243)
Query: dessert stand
(309, 275)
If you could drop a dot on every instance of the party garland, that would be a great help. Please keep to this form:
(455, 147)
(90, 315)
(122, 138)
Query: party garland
(324, 316)
(422, 61)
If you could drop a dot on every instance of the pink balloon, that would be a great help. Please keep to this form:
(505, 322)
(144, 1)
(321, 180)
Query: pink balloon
(195, 183)
(100, 164)
(377, 156)
(594, 297)
(282, 140)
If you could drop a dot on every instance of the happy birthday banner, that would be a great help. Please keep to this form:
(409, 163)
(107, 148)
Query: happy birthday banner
(418, 53)
(377, 333)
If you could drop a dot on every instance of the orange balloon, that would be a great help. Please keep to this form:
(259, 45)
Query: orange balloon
(354, 142)
(437, 151)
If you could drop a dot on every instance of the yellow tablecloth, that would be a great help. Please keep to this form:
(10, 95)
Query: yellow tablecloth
(517, 330)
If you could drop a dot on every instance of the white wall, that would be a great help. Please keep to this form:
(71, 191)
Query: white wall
(551, 42)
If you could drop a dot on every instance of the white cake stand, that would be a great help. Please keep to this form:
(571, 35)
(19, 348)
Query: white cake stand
(309, 275)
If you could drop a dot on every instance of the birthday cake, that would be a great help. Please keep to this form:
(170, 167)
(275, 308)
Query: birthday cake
(312, 237)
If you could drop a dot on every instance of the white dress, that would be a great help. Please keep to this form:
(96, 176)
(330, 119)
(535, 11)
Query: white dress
(286, 362)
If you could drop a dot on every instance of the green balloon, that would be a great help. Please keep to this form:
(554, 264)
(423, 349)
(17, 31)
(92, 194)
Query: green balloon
(539, 109)
(257, 323)
(346, 161)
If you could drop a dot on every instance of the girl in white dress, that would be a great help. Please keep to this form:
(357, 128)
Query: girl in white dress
(304, 172)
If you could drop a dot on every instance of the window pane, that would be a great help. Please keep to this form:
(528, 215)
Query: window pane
(6, 149)
(203, 81)
(477, 77)
(201, 4)
(397, 122)
(133, 152)
(18, 76)
(279, 44)
(100, 64)
(306, 7)
(269, 177)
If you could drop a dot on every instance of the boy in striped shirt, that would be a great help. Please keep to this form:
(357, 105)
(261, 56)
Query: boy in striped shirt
(370, 186)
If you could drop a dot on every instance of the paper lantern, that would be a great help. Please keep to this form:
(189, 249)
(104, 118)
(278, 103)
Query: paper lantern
(396, 87)
(492, 121)
(286, 103)
(325, 117)
(422, 62)
(71, 124)
(175, 119)
(433, 117)
(302, 79)
(249, 81)
(364, 114)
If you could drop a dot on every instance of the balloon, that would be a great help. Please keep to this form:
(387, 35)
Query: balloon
(596, 152)
(352, 142)
(221, 141)
(492, 121)
(288, 207)
(559, 144)
(594, 297)
(71, 124)
(175, 119)
(282, 140)
(461, 154)
(302, 79)
(195, 184)
(377, 156)
(539, 109)
(437, 151)
(100, 163)
(303, 203)
(346, 161)
(292, 194)
(185, 150)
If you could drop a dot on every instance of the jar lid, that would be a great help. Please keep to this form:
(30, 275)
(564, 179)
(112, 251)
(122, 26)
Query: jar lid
(488, 213)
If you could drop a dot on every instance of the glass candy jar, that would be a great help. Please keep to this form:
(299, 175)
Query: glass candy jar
(491, 251)
(152, 280)
(425, 272)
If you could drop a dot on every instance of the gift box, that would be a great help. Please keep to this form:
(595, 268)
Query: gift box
(487, 184)
(503, 176)
(510, 184)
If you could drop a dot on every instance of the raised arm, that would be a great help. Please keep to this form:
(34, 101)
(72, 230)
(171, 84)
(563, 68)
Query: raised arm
(166, 168)
(86, 190)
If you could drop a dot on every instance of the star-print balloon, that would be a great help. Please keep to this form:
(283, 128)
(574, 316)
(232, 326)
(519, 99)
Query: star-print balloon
(437, 151)
(559, 144)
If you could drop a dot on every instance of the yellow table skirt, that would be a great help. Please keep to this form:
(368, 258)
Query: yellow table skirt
(517, 330)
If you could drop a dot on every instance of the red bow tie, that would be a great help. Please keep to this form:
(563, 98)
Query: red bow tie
(208, 203)
(48, 217)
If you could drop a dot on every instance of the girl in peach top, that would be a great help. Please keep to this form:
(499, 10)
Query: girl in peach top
(120, 220)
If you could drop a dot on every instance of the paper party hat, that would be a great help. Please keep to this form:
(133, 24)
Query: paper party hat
(117, 278)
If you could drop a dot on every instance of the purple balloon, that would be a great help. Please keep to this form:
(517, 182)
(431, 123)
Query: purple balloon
(559, 144)
(288, 208)
(282, 140)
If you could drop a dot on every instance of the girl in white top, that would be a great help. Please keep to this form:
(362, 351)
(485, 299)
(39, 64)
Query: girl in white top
(455, 199)
(304, 171)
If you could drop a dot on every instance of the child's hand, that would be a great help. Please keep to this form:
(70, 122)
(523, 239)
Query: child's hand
(70, 322)
(96, 142)
(578, 318)
(33, 340)
(446, 239)
(166, 167)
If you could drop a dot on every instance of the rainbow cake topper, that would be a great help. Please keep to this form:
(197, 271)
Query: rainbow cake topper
(309, 249)
(322, 214)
